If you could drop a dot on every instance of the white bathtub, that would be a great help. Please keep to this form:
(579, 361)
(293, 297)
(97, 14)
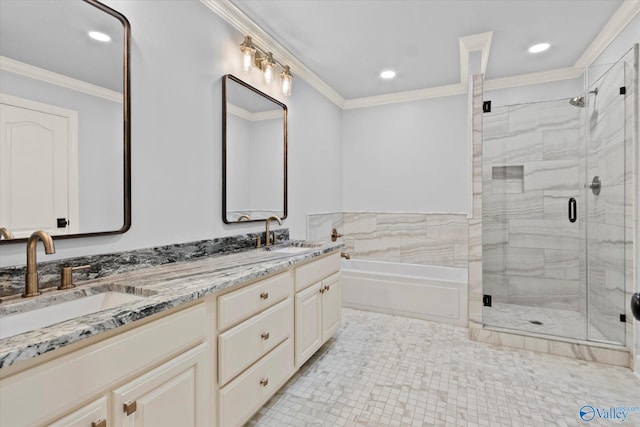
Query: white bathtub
(421, 291)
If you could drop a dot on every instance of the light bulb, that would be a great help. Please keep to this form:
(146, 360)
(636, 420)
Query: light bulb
(268, 68)
(248, 51)
(286, 80)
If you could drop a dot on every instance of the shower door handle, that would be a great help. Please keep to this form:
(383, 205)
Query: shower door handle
(573, 210)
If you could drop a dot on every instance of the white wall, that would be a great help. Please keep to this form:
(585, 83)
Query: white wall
(407, 157)
(179, 52)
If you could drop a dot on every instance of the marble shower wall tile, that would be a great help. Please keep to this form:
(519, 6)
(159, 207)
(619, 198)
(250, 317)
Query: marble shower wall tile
(319, 226)
(417, 238)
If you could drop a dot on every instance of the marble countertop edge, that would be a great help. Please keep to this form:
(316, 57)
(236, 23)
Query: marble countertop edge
(166, 287)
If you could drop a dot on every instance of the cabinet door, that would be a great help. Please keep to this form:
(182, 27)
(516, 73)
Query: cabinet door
(91, 415)
(308, 322)
(331, 306)
(173, 394)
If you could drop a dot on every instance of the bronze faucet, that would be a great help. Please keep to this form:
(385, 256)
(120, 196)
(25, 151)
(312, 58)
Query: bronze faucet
(31, 277)
(268, 237)
(4, 232)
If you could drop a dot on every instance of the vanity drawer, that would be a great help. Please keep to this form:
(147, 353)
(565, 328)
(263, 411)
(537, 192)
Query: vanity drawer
(313, 272)
(242, 345)
(244, 395)
(244, 303)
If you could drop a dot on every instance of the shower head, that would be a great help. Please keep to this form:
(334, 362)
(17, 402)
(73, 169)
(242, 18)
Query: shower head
(579, 100)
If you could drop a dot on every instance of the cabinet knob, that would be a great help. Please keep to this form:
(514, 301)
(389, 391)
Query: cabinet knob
(327, 288)
(265, 336)
(130, 407)
(322, 290)
(100, 422)
(264, 295)
(264, 382)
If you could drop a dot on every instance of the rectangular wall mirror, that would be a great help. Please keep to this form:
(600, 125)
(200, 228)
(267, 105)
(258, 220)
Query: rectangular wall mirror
(65, 119)
(254, 154)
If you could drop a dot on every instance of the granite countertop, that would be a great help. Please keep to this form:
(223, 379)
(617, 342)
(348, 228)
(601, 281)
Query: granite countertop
(162, 287)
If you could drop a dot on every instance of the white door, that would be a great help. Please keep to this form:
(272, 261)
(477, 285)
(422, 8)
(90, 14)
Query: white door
(38, 167)
(308, 308)
(331, 306)
(173, 394)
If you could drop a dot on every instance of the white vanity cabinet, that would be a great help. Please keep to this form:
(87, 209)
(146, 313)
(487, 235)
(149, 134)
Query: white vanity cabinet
(163, 367)
(317, 302)
(255, 357)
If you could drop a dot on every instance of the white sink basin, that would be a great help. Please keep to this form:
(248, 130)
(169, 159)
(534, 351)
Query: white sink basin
(292, 250)
(41, 317)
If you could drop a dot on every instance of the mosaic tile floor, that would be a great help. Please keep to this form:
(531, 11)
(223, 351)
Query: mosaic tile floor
(560, 323)
(382, 370)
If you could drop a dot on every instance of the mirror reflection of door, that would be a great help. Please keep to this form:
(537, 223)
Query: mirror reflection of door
(38, 167)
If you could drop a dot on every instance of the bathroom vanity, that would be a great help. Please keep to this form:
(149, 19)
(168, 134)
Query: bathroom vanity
(211, 342)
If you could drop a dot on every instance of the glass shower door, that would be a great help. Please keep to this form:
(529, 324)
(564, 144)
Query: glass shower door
(533, 219)
(606, 180)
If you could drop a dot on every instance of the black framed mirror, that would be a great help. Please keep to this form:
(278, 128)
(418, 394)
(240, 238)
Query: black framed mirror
(254, 154)
(66, 124)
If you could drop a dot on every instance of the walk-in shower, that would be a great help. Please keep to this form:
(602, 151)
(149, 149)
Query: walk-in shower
(556, 213)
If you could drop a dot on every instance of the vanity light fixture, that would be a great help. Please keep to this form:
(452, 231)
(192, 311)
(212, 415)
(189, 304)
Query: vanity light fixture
(254, 56)
(540, 47)
(101, 37)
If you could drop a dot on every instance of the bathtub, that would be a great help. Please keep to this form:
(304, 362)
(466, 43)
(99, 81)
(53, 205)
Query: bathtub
(422, 291)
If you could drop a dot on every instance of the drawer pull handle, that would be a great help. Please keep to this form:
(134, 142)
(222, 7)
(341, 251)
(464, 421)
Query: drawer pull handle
(265, 336)
(100, 422)
(264, 295)
(264, 382)
(130, 407)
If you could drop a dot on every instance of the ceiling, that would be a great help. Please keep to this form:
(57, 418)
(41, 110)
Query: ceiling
(347, 43)
(52, 35)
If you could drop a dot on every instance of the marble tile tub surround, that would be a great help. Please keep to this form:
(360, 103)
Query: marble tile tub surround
(163, 287)
(415, 238)
(12, 278)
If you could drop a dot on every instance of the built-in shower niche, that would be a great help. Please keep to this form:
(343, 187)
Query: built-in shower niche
(507, 179)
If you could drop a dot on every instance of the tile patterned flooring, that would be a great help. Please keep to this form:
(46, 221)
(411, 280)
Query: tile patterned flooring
(383, 370)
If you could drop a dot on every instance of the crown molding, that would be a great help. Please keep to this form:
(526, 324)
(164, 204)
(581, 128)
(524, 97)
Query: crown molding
(470, 44)
(618, 22)
(254, 117)
(410, 95)
(27, 70)
(533, 78)
(241, 22)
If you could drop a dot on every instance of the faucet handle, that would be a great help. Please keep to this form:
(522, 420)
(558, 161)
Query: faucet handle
(275, 238)
(258, 240)
(66, 276)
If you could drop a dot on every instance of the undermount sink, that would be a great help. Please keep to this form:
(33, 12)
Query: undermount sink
(37, 318)
(291, 250)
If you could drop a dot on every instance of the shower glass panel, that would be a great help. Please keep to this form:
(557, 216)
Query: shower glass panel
(605, 201)
(553, 235)
(533, 212)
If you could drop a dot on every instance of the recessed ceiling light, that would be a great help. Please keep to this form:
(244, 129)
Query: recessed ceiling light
(388, 74)
(101, 37)
(540, 47)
